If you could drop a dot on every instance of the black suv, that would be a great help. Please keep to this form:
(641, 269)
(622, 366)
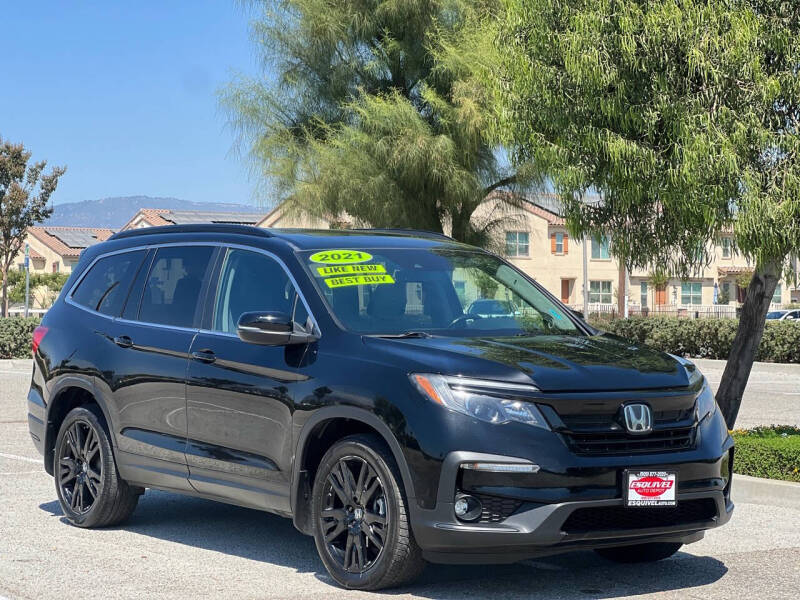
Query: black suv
(339, 379)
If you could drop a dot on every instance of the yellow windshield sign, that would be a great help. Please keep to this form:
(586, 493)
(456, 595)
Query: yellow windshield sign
(350, 270)
(340, 257)
(335, 282)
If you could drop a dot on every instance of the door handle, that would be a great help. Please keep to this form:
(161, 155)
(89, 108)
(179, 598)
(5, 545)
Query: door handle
(123, 341)
(204, 356)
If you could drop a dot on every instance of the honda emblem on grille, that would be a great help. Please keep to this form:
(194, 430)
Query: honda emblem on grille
(638, 418)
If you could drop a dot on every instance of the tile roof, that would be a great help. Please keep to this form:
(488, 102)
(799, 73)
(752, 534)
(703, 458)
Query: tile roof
(734, 270)
(69, 241)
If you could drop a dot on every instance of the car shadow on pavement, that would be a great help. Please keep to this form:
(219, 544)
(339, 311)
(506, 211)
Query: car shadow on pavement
(272, 539)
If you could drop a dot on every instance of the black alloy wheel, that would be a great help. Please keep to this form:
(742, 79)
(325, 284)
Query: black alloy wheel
(360, 514)
(89, 487)
(80, 467)
(354, 518)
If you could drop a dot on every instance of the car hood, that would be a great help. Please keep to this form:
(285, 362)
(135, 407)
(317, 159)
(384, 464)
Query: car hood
(552, 363)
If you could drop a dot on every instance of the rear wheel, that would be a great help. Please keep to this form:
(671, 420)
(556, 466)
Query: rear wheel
(88, 485)
(361, 525)
(640, 553)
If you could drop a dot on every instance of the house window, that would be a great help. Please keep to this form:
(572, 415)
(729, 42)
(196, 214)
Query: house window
(726, 292)
(600, 292)
(55, 267)
(559, 243)
(600, 247)
(776, 297)
(643, 294)
(461, 291)
(727, 245)
(691, 292)
(517, 243)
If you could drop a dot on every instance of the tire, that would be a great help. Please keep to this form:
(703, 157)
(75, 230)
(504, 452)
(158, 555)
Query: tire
(93, 495)
(374, 518)
(640, 553)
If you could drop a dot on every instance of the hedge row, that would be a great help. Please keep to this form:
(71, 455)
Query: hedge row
(772, 452)
(16, 336)
(705, 338)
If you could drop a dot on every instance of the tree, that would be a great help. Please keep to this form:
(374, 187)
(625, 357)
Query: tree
(356, 115)
(682, 114)
(24, 193)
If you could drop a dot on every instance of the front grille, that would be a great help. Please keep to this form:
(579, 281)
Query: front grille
(604, 435)
(496, 509)
(617, 518)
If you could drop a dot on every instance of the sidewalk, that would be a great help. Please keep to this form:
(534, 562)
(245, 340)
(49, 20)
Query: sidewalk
(16, 364)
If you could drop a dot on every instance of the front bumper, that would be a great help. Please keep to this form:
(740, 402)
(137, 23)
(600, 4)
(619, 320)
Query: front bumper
(541, 523)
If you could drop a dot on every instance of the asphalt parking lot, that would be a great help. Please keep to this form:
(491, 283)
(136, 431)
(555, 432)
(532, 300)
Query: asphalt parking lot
(179, 547)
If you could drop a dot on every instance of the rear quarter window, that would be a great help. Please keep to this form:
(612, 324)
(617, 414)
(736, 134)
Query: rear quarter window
(105, 286)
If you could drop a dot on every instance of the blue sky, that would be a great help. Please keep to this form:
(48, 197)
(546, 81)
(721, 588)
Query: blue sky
(125, 95)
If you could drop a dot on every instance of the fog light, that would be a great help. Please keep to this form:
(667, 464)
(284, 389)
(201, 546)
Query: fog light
(467, 508)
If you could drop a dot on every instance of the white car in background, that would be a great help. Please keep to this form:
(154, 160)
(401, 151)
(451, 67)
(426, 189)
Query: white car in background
(784, 315)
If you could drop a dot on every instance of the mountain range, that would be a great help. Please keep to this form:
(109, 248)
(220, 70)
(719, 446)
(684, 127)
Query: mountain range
(114, 212)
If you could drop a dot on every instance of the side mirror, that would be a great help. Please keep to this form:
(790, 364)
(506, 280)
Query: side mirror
(272, 328)
(577, 313)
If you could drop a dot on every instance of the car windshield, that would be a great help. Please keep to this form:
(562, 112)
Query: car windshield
(418, 291)
(775, 314)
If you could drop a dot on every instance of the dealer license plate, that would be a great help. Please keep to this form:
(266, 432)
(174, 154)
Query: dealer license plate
(650, 488)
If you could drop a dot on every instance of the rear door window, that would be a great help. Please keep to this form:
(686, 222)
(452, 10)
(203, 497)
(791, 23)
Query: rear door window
(172, 292)
(105, 287)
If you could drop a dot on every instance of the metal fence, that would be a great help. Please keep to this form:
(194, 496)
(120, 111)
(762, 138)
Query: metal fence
(611, 311)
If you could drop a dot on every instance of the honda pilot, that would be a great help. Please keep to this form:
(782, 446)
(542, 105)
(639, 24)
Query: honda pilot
(338, 378)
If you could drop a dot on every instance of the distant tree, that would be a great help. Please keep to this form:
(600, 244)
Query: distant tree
(356, 114)
(24, 192)
(683, 114)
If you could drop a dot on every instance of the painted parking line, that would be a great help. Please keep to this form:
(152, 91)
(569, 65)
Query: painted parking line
(17, 457)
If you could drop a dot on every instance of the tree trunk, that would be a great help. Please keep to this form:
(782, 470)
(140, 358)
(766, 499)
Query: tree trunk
(5, 293)
(748, 337)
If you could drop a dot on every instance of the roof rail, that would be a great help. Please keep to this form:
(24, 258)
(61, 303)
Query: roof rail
(197, 228)
(404, 231)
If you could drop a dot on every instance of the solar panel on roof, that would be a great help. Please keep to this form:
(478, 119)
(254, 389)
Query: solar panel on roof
(74, 238)
(196, 217)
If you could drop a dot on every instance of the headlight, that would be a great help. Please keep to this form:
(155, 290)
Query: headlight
(706, 404)
(458, 394)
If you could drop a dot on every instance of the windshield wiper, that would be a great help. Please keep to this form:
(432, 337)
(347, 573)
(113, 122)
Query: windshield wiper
(405, 334)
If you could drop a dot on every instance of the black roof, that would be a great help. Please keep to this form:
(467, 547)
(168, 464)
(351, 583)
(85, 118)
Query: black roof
(305, 239)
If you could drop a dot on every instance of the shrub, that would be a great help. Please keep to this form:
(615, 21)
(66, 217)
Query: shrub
(772, 452)
(705, 338)
(16, 336)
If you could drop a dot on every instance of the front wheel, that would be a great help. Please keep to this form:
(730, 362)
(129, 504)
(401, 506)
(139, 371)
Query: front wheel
(89, 488)
(361, 525)
(640, 552)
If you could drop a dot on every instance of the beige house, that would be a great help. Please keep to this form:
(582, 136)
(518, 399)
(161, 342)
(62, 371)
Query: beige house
(537, 242)
(57, 249)
(155, 217)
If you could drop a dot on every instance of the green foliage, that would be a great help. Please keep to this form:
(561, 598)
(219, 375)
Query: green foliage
(706, 338)
(772, 452)
(39, 282)
(682, 114)
(487, 285)
(362, 112)
(24, 192)
(16, 336)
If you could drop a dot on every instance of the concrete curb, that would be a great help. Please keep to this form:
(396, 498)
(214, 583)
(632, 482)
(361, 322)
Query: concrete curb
(769, 492)
(16, 364)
